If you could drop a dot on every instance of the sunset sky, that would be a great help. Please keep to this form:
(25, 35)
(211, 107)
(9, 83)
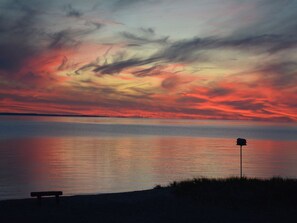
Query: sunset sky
(203, 59)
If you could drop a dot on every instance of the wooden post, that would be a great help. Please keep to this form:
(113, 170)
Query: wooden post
(241, 161)
(241, 142)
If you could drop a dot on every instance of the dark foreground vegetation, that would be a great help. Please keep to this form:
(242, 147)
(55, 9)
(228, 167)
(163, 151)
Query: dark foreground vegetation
(197, 200)
(239, 191)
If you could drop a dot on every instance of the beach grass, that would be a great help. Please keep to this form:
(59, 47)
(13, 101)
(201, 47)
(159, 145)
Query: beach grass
(273, 191)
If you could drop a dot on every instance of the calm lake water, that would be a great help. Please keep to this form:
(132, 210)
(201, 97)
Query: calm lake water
(99, 155)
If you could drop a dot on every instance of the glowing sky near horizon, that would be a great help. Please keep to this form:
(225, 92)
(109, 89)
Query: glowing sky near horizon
(204, 59)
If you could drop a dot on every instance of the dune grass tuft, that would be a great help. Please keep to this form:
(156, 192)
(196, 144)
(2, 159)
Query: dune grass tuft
(235, 190)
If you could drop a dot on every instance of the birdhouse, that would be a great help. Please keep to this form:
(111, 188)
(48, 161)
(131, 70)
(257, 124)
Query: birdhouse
(241, 142)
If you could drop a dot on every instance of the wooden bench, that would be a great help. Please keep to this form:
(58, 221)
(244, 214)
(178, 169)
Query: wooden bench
(41, 194)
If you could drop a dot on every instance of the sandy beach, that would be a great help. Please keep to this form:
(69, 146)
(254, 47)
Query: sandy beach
(156, 205)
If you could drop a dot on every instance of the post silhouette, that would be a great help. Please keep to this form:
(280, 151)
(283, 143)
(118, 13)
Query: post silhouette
(241, 142)
(240, 161)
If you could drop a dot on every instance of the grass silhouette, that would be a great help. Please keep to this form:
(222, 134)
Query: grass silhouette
(196, 200)
(275, 191)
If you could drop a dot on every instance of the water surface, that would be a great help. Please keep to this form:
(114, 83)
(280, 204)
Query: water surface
(98, 155)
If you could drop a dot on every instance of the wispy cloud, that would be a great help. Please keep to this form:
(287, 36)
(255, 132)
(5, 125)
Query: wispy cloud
(95, 57)
(145, 36)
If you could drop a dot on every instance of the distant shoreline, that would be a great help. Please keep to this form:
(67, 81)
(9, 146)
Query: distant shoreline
(50, 115)
(139, 117)
(72, 115)
(64, 115)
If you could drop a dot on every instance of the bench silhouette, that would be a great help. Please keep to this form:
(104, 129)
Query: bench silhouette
(41, 194)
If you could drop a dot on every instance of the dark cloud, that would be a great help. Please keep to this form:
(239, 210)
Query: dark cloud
(71, 12)
(24, 33)
(170, 82)
(143, 39)
(190, 100)
(97, 25)
(85, 68)
(190, 50)
(13, 55)
(181, 51)
(148, 31)
(277, 17)
(133, 45)
(186, 50)
(118, 66)
(152, 71)
(219, 91)
(71, 37)
(279, 74)
(30, 79)
(63, 38)
(246, 105)
(176, 52)
(63, 64)
(145, 36)
(270, 43)
(18, 33)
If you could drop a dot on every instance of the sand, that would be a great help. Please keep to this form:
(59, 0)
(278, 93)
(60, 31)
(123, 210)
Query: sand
(156, 205)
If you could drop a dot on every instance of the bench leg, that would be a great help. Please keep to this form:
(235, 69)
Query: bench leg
(39, 200)
(57, 199)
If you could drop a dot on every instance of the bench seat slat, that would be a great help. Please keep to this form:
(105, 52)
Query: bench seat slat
(46, 193)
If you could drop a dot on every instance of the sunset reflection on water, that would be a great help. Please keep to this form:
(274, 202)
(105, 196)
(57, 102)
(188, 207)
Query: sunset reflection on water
(82, 165)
